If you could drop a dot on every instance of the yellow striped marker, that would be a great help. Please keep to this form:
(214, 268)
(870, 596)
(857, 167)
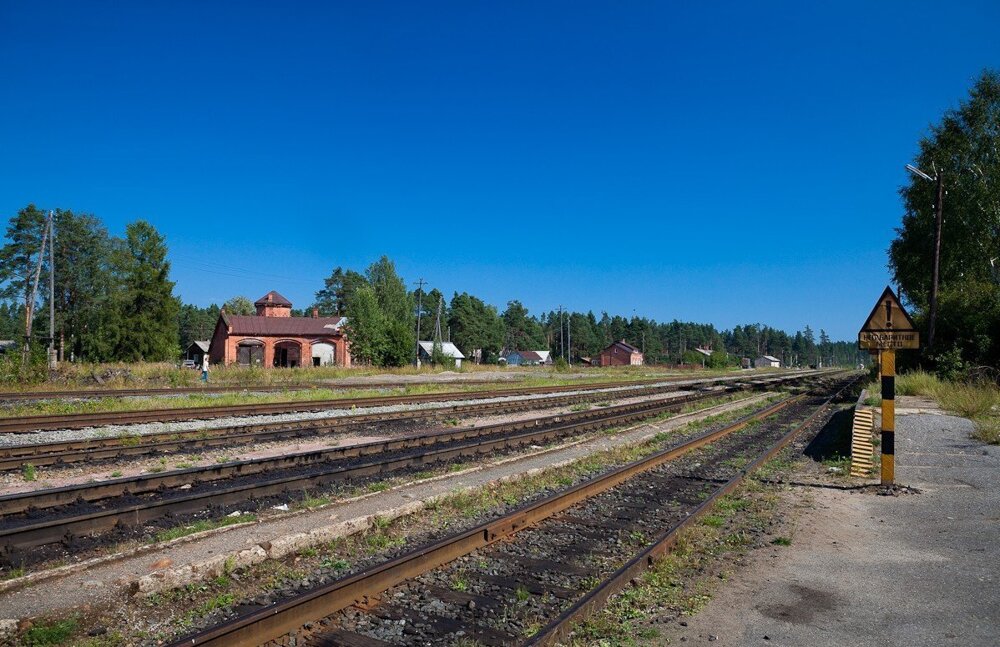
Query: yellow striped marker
(888, 372)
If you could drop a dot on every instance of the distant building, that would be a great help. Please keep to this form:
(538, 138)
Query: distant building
(7, 346)
(447, 348)
(274, 338)
(621, 353)
(767, 361)
(528, 358)
(196, 350)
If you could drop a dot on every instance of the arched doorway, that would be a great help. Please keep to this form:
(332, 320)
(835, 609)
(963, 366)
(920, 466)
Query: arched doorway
(250, 352)
(324, 354)
(287, 354)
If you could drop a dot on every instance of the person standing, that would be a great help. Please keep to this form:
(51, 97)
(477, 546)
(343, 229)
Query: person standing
(204, 368)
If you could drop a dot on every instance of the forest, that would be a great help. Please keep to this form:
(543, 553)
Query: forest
(114, 301)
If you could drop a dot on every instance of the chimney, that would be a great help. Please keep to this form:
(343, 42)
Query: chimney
(315, 313)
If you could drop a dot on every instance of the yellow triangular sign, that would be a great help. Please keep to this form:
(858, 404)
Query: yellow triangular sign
(888, 315)
(888, 326)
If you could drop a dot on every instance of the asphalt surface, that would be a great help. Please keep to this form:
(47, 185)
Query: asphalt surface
(909, 570)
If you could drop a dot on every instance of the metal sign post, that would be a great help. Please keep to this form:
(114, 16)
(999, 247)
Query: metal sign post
(888, 327)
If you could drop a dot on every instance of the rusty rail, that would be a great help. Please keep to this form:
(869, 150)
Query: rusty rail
(561, 628)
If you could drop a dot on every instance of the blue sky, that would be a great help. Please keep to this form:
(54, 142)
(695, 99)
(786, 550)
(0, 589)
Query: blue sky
(717, 162)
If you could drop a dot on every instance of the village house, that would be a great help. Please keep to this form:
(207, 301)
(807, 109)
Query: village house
(767, 361)
(273, 337)
(621, 353)
(448, 349)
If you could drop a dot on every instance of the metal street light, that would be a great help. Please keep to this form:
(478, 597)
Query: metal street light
(939, 217)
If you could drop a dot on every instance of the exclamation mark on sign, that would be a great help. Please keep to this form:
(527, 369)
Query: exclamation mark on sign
(888, 313)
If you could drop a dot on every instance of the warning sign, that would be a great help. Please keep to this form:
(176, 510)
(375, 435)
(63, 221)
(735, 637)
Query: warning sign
(888, 326)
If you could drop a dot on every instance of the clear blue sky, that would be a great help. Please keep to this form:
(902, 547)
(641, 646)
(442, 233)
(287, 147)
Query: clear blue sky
(714, 161)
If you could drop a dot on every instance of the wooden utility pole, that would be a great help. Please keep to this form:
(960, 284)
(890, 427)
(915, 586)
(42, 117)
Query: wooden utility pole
(52, 294)
(939, 216)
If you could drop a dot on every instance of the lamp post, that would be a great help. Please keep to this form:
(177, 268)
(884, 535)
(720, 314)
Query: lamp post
(939, 218)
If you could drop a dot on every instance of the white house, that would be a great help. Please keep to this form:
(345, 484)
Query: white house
(767, 361)
(447, 348)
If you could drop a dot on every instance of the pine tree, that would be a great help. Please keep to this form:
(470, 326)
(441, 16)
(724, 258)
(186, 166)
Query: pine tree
(147, 322)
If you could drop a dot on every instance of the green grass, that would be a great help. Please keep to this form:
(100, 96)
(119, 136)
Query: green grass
(49, 632)
(14, 573)
(977, 402)
(28, 472)
(201, 526)
(781, 541)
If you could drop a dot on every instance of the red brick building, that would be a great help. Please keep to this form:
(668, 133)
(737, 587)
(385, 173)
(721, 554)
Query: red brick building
(273, 337)
(621, 354)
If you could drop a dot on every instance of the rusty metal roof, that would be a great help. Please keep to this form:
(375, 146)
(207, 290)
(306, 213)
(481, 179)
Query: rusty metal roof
(272, 298)
(284, 326)
(624, 345)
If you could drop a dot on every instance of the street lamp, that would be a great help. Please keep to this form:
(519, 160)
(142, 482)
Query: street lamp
(938, 208)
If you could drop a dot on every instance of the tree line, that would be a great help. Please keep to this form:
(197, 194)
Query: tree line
(382, 323)
(114, 301)
(964, 150)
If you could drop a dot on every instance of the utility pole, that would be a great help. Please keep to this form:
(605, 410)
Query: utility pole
(52, 294)
(562, 345)
(416, 356)
(939, 219)
(569, 337)
(938, 207)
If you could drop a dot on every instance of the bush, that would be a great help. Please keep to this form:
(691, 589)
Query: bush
(950, 366)
(13, 373)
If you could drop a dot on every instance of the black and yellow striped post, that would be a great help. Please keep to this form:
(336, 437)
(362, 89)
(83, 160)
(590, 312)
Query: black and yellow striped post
(888, 372)
(888, 328)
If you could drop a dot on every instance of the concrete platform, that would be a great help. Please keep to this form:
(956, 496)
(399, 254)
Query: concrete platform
(910, 570)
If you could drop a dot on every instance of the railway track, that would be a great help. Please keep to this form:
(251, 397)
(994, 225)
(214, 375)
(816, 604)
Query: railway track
(71, 516)
(527, 576)
(89, 394)
(32, 424)
(15, 457)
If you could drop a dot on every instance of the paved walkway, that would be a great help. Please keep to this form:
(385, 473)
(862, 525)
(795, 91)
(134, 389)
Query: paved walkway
(913, 570)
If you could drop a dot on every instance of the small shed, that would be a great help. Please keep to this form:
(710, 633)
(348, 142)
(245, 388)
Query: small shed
(621, 353)
(196, 350)
(767, 361)
(447, 348)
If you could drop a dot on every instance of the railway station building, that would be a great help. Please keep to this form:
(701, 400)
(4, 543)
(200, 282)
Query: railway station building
(274, 338)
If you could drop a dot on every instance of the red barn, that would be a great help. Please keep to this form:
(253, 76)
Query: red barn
(273, 337)
(621, 354)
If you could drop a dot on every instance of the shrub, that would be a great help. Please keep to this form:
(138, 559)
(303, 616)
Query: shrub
(950, 366)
